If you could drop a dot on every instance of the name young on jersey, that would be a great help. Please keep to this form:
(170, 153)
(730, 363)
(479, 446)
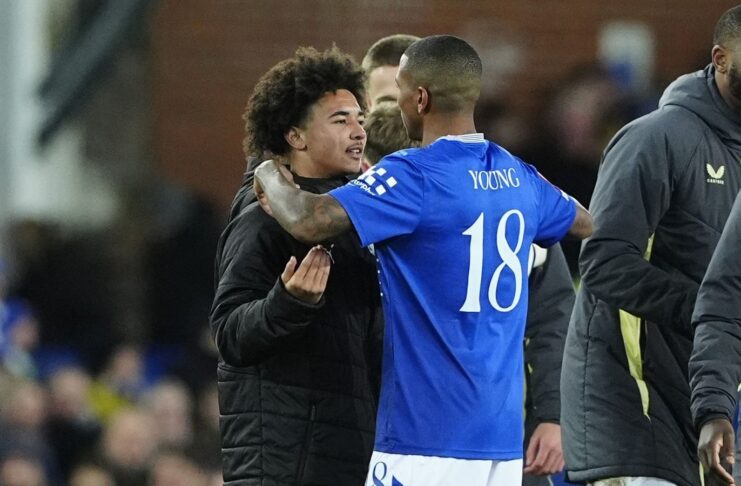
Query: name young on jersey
(493, 180)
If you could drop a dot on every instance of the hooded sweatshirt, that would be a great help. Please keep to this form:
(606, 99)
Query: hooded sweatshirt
(666, 185)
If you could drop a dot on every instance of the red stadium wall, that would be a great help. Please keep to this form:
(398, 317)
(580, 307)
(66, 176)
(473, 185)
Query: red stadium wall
(209, 54)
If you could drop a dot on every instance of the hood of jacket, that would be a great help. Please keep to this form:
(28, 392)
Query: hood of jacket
(698, 93)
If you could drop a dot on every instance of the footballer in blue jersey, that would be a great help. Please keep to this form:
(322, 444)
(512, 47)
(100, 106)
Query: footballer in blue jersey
(451, 224)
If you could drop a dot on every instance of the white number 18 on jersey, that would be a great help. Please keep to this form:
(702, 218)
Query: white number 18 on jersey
(509, 260)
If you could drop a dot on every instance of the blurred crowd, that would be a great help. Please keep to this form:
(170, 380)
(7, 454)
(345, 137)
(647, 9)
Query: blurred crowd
(87, 399)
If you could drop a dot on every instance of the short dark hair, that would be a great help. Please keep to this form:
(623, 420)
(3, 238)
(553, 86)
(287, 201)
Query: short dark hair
(728, 27)
(285, 94)
(449, 68)
(385, 132)
(387, 51)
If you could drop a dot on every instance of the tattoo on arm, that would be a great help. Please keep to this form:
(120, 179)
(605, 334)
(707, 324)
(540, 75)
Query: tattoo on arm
(321, 218)
(308, 217)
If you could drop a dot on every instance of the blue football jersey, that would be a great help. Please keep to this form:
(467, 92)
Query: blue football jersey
(451, 225)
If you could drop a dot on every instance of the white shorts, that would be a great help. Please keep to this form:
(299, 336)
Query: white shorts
(632, 481)
(408, 470)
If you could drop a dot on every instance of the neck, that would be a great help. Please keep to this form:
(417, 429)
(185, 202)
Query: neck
(724, 88)
(438, 125)
(303, 166)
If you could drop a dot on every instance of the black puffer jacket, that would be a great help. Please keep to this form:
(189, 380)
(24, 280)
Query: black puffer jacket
(665, 188)
(297, 383)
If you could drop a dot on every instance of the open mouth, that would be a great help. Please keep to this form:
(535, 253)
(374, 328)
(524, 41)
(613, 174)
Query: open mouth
(356, 152)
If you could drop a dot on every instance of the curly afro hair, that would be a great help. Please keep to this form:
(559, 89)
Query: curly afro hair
(285, 94)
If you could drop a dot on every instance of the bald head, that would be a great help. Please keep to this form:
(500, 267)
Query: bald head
(728, 28)
(448, 67)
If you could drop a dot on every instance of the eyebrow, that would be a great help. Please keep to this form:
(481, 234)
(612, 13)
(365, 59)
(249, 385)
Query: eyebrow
(345, 113)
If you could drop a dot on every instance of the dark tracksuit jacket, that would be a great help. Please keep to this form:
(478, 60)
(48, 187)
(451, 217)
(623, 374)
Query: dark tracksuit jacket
(666, 185)
(298, 383)
(715, 365)
(551, 299)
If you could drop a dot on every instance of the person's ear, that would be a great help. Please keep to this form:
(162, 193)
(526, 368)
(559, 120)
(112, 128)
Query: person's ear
(295, 138)
(423, 100)
(719, 56)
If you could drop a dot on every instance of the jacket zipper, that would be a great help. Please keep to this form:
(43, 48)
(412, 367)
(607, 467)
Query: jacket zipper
(307, 443)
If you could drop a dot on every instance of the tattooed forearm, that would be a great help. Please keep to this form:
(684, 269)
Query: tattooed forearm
(310, 218)
(321, 217)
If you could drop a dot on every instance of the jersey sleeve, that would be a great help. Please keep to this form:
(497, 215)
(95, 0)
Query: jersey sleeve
(384, 202)
(556, 209)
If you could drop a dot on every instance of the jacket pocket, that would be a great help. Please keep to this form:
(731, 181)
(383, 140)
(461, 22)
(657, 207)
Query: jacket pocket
(306, 445)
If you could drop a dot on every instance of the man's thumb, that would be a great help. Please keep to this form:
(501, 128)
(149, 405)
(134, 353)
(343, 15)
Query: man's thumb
(289, 270)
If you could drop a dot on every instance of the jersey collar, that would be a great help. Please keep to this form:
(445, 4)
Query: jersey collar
(465, 138)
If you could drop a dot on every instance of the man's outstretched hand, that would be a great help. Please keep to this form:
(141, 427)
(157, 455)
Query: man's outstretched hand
(716, 445)
(309, 281)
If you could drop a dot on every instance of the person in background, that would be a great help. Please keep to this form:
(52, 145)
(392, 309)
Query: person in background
(665, 187)
(386, 134)
(715, 365)
(381, 64)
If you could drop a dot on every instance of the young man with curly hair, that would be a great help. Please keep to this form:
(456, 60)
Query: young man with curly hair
(299, 344)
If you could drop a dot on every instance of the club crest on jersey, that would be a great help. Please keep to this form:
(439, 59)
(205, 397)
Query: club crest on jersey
(715, 175)
(376, 182)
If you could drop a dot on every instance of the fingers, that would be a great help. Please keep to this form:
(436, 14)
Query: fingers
(265, 205)
(713, 460)
(538, 465)
(727, 452)
(306, 263)
(283, 169)
(554, 463)
(322, 273)
(309, 281)
(289, 270)
(722, 450)
(544, 455)
(531, 454)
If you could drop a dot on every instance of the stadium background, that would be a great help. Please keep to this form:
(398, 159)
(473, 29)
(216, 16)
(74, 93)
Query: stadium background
(120, 151)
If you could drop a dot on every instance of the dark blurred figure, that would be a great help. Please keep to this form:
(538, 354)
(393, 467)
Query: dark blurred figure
(22, 417)
(172, 468)
(72, 428)
(129, 447)
(121, 383)
(170, 405)
(91, 475)
(22, 470)
(206, 449)
(179, 262)
(578, 119)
